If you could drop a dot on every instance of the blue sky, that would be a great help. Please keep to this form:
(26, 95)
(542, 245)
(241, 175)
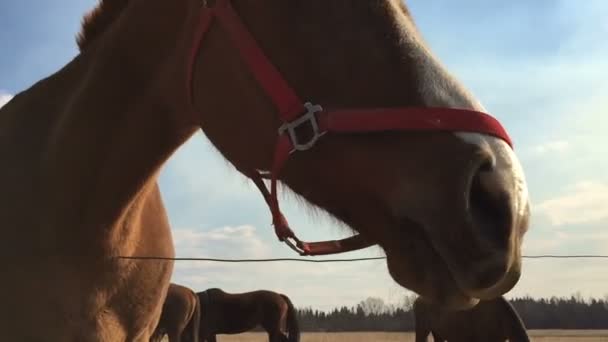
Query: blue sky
(540, 66)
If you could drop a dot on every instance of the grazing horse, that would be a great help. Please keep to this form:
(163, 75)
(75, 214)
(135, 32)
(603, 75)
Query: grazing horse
(493, 320)
(390, 144)
(236, 313)
(181, 316)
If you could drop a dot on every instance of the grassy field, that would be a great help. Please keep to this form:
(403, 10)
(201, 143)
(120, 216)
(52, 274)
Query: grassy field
(536, 335)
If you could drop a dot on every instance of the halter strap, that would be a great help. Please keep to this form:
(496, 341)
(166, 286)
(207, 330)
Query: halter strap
(293, 113)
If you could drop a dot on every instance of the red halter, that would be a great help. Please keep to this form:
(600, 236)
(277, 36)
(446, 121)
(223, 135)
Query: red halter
(294, 112)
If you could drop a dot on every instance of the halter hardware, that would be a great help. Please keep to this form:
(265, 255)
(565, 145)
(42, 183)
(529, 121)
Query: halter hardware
(310, 116)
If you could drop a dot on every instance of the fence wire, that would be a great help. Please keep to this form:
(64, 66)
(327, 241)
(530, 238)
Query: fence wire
(222, 260)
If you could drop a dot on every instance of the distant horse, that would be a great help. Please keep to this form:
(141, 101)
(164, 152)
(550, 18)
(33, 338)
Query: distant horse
(490, 321)
(235, 313)
(181, 316)
(341, 101)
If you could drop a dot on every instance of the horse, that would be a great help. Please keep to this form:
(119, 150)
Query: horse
(236, 313)
(388, 143)
(181, 314)
(494, 320)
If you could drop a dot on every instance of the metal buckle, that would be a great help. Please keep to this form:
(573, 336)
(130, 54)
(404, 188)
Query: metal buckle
(309, 116)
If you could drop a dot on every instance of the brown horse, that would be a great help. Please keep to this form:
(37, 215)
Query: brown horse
(430, 179)
(181, 316)
(236, 313)
(489, 321)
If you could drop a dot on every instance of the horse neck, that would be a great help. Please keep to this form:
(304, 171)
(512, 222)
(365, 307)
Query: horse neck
(124, 114)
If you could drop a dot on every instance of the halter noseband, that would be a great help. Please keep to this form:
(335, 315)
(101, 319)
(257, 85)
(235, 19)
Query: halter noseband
(294, 112)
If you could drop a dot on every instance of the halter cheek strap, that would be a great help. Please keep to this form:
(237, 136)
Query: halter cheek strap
(294, 113)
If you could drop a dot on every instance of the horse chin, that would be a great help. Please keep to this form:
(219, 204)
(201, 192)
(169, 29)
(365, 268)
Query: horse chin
(503, 286)
(442, 293)
(420, 268)
(427, 275)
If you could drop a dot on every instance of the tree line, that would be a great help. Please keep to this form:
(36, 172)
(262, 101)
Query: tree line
(373, 314)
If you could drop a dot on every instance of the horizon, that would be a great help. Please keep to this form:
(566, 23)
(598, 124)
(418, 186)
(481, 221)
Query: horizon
(404, 304)
(540, 67)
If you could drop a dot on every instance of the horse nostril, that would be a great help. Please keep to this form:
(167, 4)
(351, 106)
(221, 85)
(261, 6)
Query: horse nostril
(490, 204)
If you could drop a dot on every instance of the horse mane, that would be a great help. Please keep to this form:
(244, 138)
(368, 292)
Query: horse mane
(97, 21)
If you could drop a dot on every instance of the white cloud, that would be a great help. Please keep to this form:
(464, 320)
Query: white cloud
(545, 243)
(4, 98)
(551, 146)
(583, 203)
(565, 241)
(562, 277)
(306, 283)
(240, 241)
(321, 286)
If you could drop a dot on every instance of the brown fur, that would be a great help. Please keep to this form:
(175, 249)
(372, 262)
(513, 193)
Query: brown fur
(84, 146)
(181, 315)
(97, 20)
(236, 313)
(490, 321)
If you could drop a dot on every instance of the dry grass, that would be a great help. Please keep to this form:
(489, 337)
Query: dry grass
(536, 335)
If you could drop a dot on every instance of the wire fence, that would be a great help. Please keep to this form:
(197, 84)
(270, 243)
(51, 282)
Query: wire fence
(222, 260)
